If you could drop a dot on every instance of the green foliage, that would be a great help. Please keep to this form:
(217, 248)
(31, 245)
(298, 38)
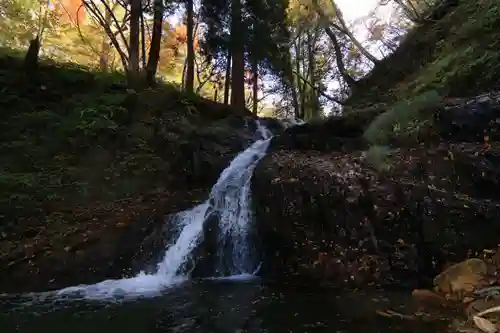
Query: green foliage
(69, 140)
(403, 120)
(94, 120)
(376, 156)
(21, 20)
(462, 61)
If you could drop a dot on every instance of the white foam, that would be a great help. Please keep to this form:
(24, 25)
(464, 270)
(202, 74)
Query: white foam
(230, 200)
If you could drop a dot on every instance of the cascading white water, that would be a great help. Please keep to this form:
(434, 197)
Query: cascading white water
(229, 199)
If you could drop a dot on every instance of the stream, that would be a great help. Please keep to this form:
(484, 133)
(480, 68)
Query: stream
(215, 306)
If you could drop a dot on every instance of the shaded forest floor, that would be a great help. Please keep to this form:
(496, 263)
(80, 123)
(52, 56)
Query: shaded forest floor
(84, 159)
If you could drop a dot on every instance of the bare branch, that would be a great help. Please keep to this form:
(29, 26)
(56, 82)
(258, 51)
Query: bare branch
(320, 91)
(78, 27)
(102, 21)
(96, 11)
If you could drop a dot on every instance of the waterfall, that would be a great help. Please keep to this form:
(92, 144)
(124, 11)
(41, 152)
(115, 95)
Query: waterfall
(229, 202)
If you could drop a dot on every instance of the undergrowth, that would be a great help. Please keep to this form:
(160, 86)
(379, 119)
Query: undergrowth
(75, 137)
(456, 56)
(403, 123)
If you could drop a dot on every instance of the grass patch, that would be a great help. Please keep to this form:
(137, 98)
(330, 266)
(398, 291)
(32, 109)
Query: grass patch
(403, 121)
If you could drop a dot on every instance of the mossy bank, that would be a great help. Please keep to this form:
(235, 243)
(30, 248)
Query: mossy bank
(90, 168)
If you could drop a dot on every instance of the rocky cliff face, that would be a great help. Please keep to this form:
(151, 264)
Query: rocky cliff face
(325, 214)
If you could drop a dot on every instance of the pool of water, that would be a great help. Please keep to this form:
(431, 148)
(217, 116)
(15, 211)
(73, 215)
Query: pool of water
(214, 306)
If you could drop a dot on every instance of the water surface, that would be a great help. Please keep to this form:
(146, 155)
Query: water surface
(214, 306)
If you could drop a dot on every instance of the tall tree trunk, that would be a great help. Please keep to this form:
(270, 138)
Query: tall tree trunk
(183, 78)
(190, 47)
(227, 78)
(154, 50)
(292, 83)
(105, 46)
(295, 99)
(135, 14)
(31, 59)
(338, 58)
(300, 86)
(238, 55)
(143, 39)
(106, 40)
(104, 55)
(312, 98)
(255, 85)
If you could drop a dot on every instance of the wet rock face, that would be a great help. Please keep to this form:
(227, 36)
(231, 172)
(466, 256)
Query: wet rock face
(317, 221)
(326, 215)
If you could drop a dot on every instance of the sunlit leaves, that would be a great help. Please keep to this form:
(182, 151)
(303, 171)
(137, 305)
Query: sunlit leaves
(21, 20)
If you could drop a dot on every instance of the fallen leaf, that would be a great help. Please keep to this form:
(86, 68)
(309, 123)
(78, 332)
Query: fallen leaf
(490, 310)
(384, 314)
(484, 324)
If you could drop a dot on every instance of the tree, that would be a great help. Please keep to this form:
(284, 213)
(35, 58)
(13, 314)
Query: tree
(154, 50)
(98, 11)
(238, 56)
(135, 15)
(345, 30)
(413, 10)
(227, 80)
(190, 47)
(22, 20)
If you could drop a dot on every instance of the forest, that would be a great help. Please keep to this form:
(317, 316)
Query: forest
(382, 169)
(291, 58)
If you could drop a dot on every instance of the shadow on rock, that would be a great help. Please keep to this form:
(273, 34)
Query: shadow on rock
(325, 214)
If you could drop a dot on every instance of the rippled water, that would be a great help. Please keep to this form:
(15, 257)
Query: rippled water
(214, 306)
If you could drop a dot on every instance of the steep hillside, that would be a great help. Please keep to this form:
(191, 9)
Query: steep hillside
(406, 181)
(454, 53)
(87, 163)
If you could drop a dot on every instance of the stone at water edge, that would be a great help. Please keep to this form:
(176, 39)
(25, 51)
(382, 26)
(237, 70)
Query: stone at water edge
(482, 304)
(460, 279)
(429, 299)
